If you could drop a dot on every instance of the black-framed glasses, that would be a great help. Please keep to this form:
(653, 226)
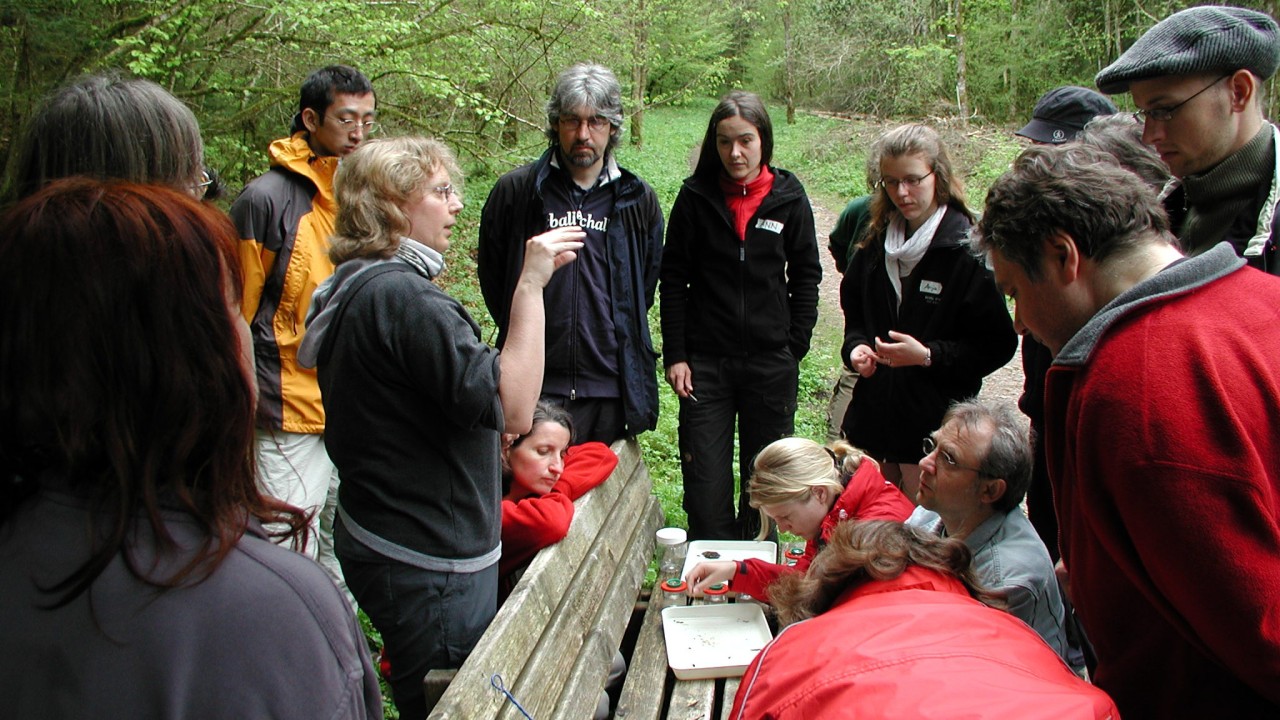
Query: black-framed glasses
(1165, 114)
(368, 127)
(930, 445)
(444, 191)
(911, 181)
(573, 122)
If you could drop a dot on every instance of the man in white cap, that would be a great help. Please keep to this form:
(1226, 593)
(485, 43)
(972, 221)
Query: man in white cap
(1197, 79)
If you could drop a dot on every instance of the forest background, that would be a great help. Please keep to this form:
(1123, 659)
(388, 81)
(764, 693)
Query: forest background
(477, 74)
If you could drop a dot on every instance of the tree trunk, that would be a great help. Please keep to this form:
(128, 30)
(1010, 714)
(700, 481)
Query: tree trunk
(788, 77)
(639, 74)
(962, 80)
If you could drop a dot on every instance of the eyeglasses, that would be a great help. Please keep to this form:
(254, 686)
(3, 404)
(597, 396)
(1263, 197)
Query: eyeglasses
(930, 445)
(200, 187)
(911, 181)
(1165, 114)
(573, 122)
(368, 127)
(444, 191)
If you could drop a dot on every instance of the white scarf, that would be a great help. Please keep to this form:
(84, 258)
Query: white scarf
(902, 253)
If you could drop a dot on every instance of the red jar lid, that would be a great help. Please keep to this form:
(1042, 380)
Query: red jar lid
(717, 589)
(795, 552)
(674, 584)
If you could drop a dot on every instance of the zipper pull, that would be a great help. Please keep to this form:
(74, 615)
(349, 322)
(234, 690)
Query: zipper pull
(742, 252)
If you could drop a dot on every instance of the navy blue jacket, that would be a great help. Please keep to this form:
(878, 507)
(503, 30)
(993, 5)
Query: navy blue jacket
(514, 213)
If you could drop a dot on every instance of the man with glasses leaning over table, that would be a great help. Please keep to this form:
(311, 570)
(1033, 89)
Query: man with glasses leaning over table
(600, 359)
(973, 477)
(1197, 78)
(285, 218)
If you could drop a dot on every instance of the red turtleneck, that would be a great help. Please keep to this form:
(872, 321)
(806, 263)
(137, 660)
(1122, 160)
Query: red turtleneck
(744, 199)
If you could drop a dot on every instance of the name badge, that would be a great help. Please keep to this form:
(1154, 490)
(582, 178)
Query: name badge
(930, 287)
(772, 226)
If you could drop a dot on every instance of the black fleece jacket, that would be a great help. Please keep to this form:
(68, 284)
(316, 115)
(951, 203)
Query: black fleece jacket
(723, 296)
(951, 304)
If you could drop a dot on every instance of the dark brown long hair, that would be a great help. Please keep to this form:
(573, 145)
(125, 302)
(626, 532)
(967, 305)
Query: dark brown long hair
(749, 107)
(121, 372)
(862, 551)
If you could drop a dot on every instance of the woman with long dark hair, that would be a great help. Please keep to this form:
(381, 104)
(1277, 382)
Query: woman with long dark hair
(739, 288)
(923, 320)
(138, 579)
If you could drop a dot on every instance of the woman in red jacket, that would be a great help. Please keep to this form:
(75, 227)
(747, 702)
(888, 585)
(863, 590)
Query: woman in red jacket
(541, 477)
(806, 489)
(890, 622)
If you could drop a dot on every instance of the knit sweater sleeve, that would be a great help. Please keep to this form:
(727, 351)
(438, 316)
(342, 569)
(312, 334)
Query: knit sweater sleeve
(585, 466)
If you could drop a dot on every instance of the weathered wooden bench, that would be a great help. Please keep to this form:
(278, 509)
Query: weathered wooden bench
(553, 640)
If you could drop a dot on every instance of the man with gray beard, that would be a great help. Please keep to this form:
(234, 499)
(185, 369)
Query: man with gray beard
(601, 365)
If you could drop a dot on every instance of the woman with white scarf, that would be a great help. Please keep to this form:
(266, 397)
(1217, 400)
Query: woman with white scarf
(924, 321)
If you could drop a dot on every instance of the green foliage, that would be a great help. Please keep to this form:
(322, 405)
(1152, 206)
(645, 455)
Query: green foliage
(374, 639)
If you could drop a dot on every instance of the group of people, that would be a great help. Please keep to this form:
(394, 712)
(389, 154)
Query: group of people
(1139, 253)
(183, 392)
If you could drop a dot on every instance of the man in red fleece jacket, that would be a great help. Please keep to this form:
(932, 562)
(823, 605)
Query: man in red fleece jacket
(1159, 432)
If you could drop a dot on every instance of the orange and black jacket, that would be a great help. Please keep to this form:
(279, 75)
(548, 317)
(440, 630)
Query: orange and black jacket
(285, 218)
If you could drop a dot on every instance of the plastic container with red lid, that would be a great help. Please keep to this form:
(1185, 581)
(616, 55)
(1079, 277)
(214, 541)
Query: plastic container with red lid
(674, 591)
(717, 594)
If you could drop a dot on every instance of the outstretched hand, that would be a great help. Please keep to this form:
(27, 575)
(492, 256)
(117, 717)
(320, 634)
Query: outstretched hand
(550, 251)
(705, 574)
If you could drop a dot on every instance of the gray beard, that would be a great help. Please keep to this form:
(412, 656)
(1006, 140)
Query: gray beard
(584, 161)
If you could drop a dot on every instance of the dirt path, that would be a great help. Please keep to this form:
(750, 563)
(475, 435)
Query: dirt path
(1003, 384)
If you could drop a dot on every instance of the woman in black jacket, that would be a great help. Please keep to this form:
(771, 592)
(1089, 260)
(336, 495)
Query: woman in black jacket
(924, 321)
(739, 287)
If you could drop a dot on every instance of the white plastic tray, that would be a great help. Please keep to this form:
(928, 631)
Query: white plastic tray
(713, 641)
(729, 550)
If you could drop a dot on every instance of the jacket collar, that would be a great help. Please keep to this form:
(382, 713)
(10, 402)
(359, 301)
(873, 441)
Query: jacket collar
(294, 155)
(1179, 277)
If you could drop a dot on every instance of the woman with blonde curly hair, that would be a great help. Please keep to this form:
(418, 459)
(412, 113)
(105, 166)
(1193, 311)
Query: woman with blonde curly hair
(890, 622)
(415, 405)
(806, 489)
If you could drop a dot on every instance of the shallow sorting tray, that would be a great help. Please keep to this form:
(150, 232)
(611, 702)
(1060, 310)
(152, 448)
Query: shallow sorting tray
(729, 550)
(713, 641)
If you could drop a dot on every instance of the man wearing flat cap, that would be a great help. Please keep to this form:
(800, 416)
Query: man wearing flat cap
(1197, 79)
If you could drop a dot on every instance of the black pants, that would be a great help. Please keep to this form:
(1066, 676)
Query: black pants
(594, 419)
(428, 620)
(759, 392)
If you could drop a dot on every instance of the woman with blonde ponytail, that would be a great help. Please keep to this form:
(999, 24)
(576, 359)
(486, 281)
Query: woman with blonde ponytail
(806, 489)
